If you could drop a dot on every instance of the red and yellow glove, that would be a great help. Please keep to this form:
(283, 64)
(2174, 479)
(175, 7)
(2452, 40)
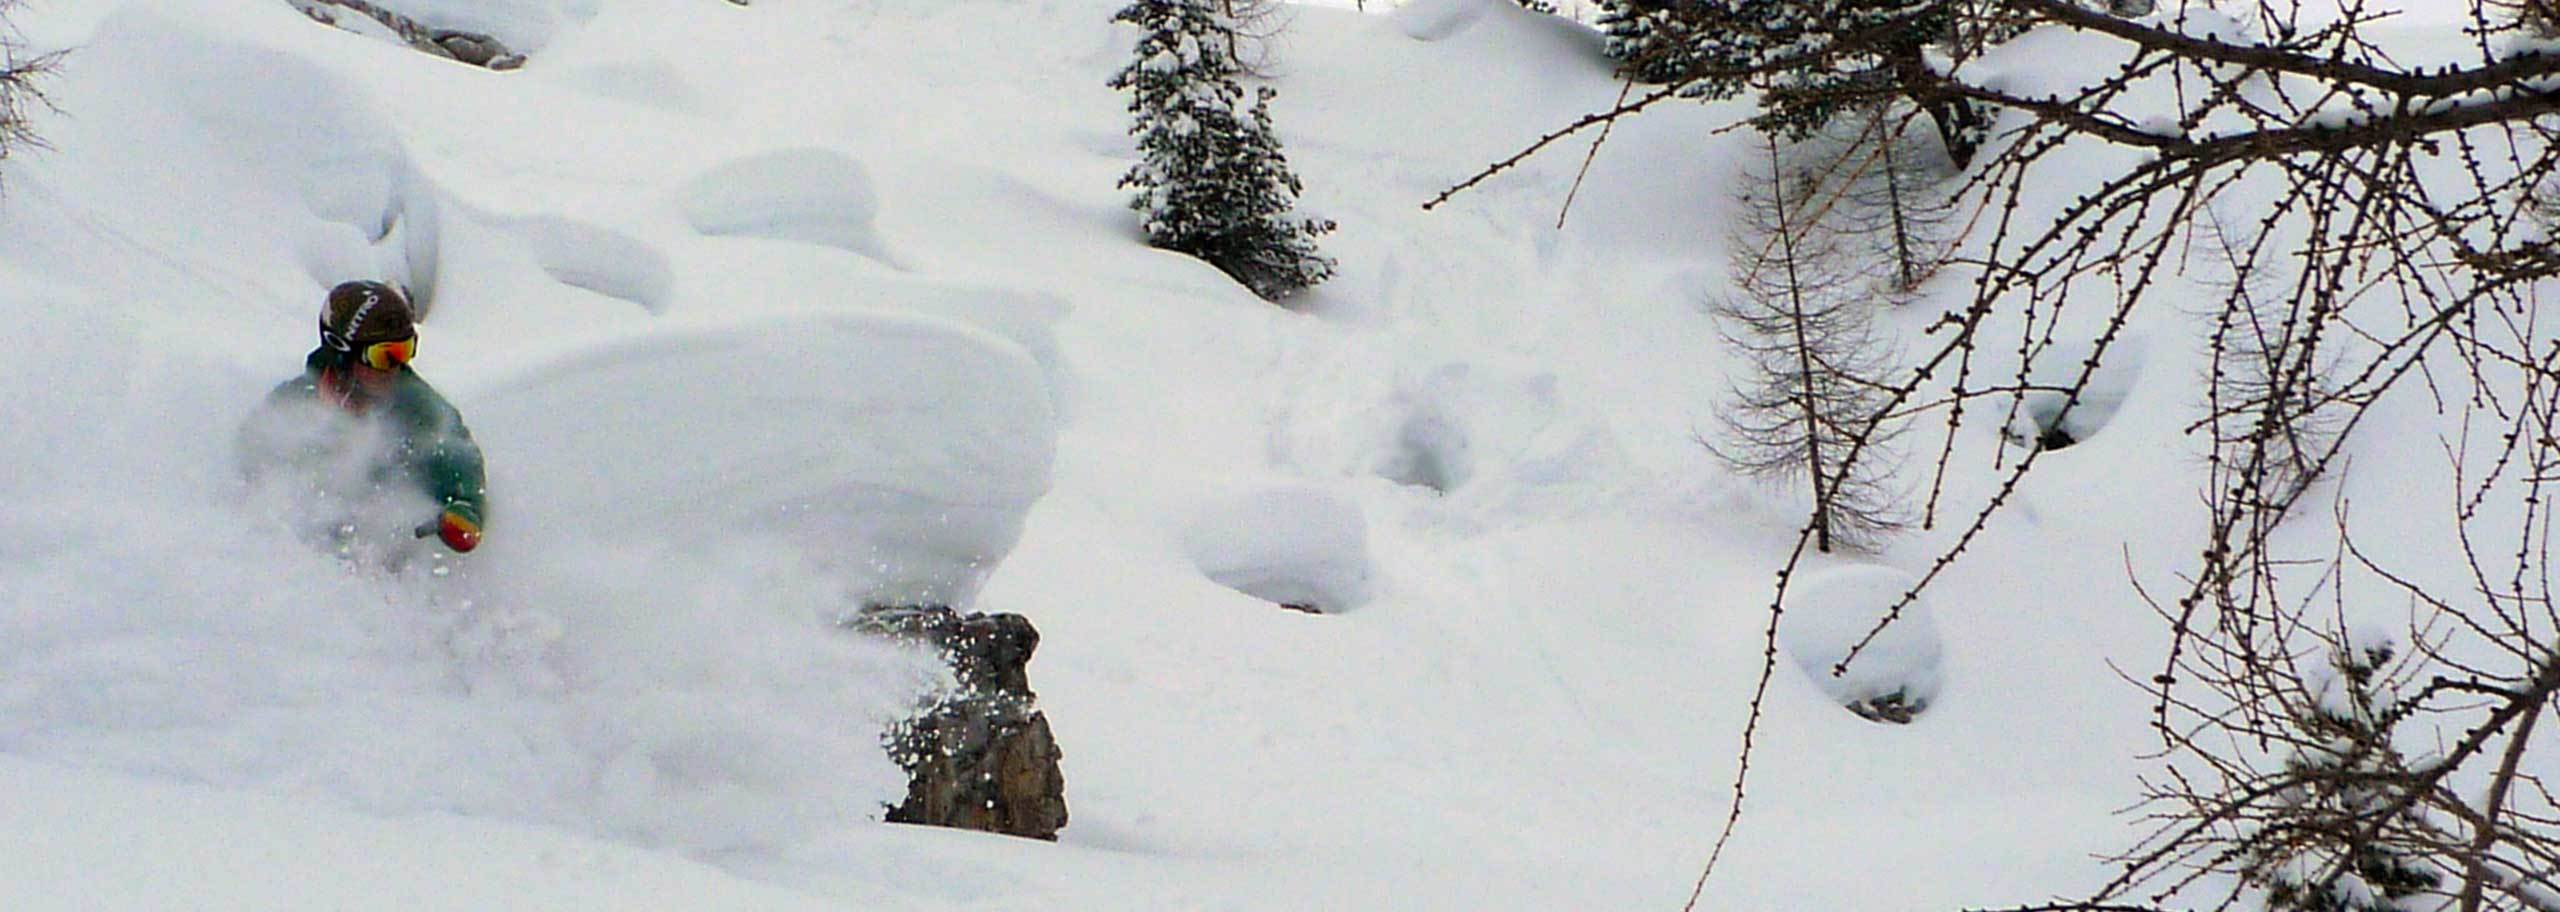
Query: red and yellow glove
(456, 527)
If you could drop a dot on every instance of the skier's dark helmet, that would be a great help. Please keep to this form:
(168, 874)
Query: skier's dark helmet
(364, 315)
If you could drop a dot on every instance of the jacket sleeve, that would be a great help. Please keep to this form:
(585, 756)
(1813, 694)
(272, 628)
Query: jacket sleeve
(443, 457)
(455, 475)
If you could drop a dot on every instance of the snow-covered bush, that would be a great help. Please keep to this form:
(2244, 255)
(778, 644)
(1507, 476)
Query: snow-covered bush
(1211, 179)
(1833, 614)
(2335, 836)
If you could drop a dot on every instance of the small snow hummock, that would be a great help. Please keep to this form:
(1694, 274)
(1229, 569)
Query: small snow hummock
(1299, 548)
(1433, 20)
(814, 196)
(1896, 676)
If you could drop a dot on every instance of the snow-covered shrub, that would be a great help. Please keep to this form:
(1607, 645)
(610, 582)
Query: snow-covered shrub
(1211, 179)
(1831, 613)
(2331, 840)
(2056, 410)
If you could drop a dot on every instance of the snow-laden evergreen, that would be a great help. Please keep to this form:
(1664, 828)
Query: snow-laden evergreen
(1810, 61)
(1211, 179)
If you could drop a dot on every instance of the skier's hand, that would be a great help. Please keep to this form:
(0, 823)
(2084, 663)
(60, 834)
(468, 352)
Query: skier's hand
(458, 530)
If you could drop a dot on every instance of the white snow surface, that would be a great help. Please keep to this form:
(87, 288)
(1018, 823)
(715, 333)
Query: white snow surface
(762, 311)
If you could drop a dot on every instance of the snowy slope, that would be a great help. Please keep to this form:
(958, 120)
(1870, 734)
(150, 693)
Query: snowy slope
(739, 297)
(85, 839)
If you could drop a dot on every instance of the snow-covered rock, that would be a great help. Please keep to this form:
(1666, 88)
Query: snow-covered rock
(900, 451)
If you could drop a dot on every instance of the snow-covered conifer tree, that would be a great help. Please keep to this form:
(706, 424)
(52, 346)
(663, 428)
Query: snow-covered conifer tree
(1650, 43)
(1211, 179)
(1811, 60)
(2337, 837)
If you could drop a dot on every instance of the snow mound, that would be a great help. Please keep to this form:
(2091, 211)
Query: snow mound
(598, 259)
(2040, 418)
(1299, 547)
(306, 134)
(901, 452)
(1433, 20)
(1431, 452)
(814, 196)
(1027, 318)
(1829, 611)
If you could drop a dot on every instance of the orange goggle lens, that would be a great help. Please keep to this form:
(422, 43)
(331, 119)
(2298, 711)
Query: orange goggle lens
(383, 356)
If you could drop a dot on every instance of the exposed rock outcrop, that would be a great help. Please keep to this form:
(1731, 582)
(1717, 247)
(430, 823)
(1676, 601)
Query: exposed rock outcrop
(981, 757)
(464, 47)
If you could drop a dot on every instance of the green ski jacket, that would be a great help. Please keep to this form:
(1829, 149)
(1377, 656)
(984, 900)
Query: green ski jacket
(426, 445)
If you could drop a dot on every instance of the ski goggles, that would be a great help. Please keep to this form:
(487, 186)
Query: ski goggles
(383, 356)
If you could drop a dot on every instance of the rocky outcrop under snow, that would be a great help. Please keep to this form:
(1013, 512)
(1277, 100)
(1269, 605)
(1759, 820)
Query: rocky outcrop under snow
(981, 757)
(472, 48)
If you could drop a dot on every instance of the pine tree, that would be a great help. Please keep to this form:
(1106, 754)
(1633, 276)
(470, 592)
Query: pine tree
(1811, 60)
(1648, 39)
(1811, 400)
(1211, 180)
(2340, 841)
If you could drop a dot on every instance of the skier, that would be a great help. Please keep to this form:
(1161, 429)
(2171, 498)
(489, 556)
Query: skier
(377, 447)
